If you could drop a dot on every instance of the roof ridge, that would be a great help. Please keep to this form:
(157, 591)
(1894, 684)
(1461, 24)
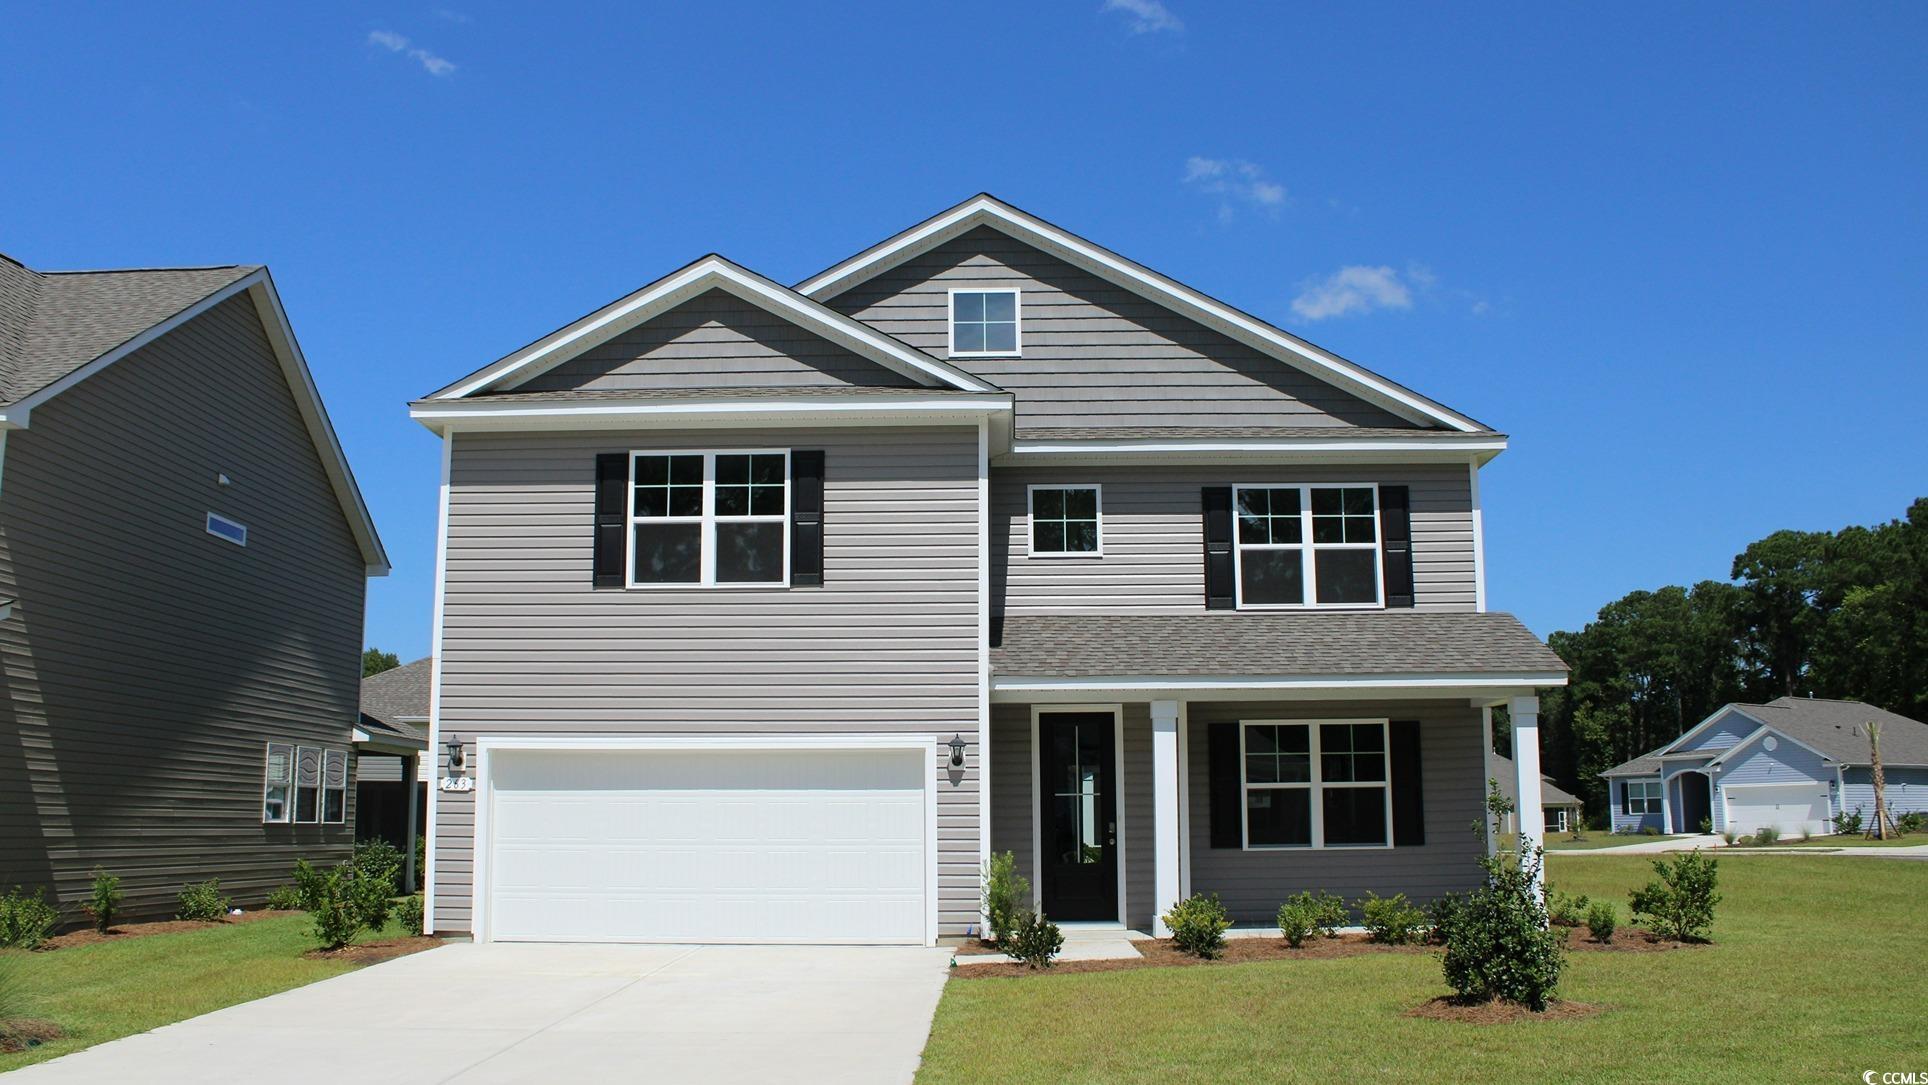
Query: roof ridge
(140, 270)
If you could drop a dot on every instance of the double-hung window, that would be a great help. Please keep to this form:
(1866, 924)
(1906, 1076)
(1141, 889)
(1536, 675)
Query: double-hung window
(1643, 796)
(1065, 521)
(278, 777)
(707, 519)
(1316, 784)
(334, 787)
(307, 785)
(1307, 546)
(984, 322)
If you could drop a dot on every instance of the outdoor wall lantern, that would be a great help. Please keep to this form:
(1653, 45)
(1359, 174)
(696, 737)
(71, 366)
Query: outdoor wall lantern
(957, 751)
(454, 745)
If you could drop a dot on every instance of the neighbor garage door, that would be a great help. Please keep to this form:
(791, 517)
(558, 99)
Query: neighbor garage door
(1790, 808)
(708, 846)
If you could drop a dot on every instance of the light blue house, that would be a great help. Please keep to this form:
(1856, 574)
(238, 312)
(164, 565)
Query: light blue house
(1792, 764)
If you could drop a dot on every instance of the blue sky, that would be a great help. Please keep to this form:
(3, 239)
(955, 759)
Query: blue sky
(1677, 251)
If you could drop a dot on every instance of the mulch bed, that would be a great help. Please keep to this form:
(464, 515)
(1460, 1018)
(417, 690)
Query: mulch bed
(376, 952)
(120, 932)
(1453, 1008)
(19, 1035)
(1160, 953)
(973, 948)
(1625, 940)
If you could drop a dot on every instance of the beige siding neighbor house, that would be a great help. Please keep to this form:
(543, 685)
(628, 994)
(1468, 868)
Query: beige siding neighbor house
(767, 614)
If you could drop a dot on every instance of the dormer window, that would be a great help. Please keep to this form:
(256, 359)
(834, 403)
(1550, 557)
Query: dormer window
(984, 322)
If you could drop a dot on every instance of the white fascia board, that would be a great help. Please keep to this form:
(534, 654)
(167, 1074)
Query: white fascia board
(706, 274)
(1253, 450)
(1017, 687)
(473, 415)
(985, 211)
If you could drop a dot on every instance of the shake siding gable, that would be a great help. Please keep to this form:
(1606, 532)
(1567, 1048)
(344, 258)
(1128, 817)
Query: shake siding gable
(1095, 354)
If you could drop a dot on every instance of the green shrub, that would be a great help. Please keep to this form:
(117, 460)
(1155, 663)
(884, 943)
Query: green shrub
(1007, 894)
(25, 920)
(411, 909)
(421, 861)
(1845, 822)
(381, 861)
(1310, 915)
(1729, 836)
(1564, 910)
(336, 917)
(1442, 911)
(310, 885)
(1602, 918)
(284, 898)
(105, 899)
(1392, 920)
(1649, 830)
(1680, 904)
(371, 896)
(202, 901)
(1913, 821)
(1766, 835)
(1706, 826)
(1034, 940)
(1198, 925)
(1498, 942)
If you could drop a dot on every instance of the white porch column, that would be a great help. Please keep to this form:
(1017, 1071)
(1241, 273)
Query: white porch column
(1531, 816)
(1164, 794)
(410, 771)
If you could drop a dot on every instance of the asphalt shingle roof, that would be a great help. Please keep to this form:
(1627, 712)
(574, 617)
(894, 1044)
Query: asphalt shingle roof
(1272, 644)
(397, 694)
(1645, 765)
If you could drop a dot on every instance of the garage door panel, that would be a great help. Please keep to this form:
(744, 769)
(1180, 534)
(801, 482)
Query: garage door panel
(1790, 808)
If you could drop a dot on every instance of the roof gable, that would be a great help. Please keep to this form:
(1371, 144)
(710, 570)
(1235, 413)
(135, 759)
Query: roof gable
(985, 211)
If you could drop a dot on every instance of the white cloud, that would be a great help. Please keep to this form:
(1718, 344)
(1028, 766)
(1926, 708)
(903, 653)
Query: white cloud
(1147, 16)
(1352, 291)
(1234, 181)
(396, 43)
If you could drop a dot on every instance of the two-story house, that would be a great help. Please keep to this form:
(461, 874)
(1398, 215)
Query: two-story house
(769, 613)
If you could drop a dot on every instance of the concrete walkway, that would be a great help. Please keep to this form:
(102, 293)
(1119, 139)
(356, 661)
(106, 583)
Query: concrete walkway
(1650, 847)
(520, 1013)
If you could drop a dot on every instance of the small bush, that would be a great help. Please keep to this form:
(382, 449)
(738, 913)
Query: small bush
(1006, 895)
(105, 899)
(1602, 918)
(1706, 826)
(1649, 830)
(1443, 911)
(1034, 940)
(310, 885)
(1392, 920)
(1913, 821)
(25, 920)
(1729, 836)
(381, 861)
(371, 896)
(1845, 822)
(336, 917)
(411, 918)
(1310, 915)
(284, 898)
(202, 901)
(1766, 835)
(1680, 904)
(1498, 943)
(1198, 925)
(1564, 910)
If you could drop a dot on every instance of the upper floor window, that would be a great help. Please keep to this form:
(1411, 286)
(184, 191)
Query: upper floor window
(709, 518)
(1065, 521)
(984, 322)
(1307, 546)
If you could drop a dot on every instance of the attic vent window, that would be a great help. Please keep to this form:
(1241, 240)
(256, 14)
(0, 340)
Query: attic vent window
(233, 531)
(984, 323)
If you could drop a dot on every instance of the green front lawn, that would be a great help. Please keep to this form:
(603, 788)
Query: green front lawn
(1814, 977)
(1912, 840)
(108, 990)
(1593, 841)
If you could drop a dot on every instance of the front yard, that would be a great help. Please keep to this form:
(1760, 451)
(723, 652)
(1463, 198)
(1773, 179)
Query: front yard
(1813, 976)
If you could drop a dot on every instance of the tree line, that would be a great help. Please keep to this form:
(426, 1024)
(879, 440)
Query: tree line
(1834, 614)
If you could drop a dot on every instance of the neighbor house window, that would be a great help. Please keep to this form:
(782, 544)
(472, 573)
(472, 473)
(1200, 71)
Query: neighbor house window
(277, 780)
(1307, 546)
(334, 787)
(1643, 796)
(307, 784)
(1316, 784)
(709, 518)
(984, 322)
(1065, 521)
(233, 531)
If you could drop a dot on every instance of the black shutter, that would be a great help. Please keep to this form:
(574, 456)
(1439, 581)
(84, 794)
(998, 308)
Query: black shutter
(1219, 591)
(1408, 798)
(806, 519)
(1396, 545)
(612, 478)
(1228, 829)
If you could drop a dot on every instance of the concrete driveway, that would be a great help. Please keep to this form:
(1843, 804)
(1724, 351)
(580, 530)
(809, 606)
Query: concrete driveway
(502, 1013)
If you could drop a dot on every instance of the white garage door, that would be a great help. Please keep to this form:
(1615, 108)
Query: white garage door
(708, 846)
(1791, 808)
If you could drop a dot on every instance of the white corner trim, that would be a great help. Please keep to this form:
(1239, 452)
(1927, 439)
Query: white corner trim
(984, 210)
(432, 756)
(1479, 538)
(712, 272)
(984, 656)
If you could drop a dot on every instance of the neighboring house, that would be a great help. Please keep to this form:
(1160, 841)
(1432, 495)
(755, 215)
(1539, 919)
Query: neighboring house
(1561, 808)
(183, 555)
(392, 736)
(1792, 764)
(768, 613)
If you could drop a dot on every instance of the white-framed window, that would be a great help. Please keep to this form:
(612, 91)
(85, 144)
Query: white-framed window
(334, 787)
(709, 519)
(1643, 796)
(1316, 783)
(277, 783)
(307, 785)
(985, 322)
(1307, 546)
(1066, 521)
(233, 531)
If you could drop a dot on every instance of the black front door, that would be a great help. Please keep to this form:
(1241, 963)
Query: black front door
(1696, 801)
(1078, 817)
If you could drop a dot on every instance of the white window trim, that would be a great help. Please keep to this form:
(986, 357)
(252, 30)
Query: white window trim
(1649, 802)
(1017, 322)
(321, 810)
(1315, 786)
(288, 800)
(706, 522)
(1306, 547)
(215, 517)
(294, 786)
(1031, 520)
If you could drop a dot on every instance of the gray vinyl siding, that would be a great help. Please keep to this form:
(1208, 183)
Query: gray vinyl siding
(148, 662)
(1153, 537)
(889, 644)
(1906, 792)
(714, 340)
(1095, 354)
